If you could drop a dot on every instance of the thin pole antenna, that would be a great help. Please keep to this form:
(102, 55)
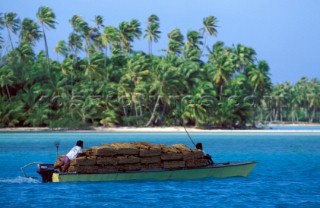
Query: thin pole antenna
(57, 143)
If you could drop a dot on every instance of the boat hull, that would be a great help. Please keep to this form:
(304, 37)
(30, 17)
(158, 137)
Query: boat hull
(220, 170)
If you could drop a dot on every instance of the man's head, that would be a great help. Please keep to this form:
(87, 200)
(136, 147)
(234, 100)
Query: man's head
(199, 146)
(80, 143)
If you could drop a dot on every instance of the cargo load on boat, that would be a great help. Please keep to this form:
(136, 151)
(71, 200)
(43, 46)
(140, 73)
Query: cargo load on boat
(137, 156)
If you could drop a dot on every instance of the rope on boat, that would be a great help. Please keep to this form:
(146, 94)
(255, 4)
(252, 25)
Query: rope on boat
(22, 168)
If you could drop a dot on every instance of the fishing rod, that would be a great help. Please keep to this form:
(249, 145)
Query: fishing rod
(189, 136)
(199, 147)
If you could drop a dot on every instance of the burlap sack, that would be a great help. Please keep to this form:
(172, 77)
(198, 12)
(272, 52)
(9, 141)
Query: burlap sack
(173, 164)
(105, 150)
(125, 149)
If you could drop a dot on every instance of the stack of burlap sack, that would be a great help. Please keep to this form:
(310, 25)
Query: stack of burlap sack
(122, 157)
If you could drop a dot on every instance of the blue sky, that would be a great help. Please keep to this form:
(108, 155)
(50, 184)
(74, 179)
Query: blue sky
(285, 33)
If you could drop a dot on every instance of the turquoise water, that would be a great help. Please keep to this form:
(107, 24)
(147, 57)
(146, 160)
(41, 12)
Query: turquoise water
(287, 174)
(307, 127)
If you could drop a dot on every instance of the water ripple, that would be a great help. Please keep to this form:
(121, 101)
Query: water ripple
(19, 180)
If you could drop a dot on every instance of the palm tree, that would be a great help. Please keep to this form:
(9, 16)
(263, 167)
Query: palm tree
(82, 31)
(74, 44)
(133, 81)
(192, 46)
(92, 38)
(175, 42)
(193, 40)
(259, 77)
(97, 37)
(1, 21)
(94, 68)
(110, 118)
(110, 38)
(36, 111)
(1, 41)
(75, 22)
(6, 78)
(12, 23)
(98, 20)
(294, 101)
(217, 50)
(302, 87)
(38, 115)
(10, 114)
(166, 82)
(30, 32)
(1, 27)
(67, 67)
(313, 98)
(239, 89)
(46, 17)
(221, 68)
(128, 31)
(244, 56)
(61, 48)
(85, 109)
(152, 31)
(25, 53)
(90, 35)
(210, 28)
(197, 105)
(224, 115)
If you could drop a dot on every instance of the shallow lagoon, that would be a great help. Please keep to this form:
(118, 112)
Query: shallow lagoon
(287, 174)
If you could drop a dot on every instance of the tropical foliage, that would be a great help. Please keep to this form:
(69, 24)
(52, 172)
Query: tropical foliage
(98, 79)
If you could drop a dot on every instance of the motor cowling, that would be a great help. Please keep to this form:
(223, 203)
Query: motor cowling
(46, 171)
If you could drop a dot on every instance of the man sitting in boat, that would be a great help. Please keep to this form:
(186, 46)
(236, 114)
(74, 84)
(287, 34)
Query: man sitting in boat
(206, 156)
(64, 163)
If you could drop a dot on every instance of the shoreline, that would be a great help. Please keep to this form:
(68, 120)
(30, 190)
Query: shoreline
(174, 129)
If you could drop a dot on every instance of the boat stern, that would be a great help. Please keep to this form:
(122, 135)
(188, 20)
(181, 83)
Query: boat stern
(46, 171)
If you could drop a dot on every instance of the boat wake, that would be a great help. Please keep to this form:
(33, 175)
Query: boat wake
(19, 180)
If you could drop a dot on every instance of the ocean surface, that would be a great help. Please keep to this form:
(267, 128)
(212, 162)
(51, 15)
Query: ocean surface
(287, 173)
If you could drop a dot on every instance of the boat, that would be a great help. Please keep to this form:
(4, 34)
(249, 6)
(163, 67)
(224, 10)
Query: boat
(142, 161)
(217, 170)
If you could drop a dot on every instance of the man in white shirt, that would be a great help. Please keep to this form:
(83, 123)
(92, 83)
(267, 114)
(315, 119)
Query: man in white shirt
(64, 163)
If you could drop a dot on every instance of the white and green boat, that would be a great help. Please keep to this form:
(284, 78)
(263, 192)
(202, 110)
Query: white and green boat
(218, 170)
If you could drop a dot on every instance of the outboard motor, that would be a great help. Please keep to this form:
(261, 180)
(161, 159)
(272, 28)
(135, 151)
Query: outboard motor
(46, 171)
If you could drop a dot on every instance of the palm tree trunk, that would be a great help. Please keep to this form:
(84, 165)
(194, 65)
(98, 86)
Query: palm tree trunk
(46, 46)
(150, 47)
(10, 38)
(136, 109)
(105, 59)
(140, 106)
(124, 107)
(8, 92)
(276, 110)
(154, 111)
(205, 41)
(254, 117)
(292, 115)
(163, 111)
(313, 115)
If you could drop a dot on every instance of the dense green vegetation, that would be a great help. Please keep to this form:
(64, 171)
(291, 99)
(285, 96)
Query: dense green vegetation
(97, 79)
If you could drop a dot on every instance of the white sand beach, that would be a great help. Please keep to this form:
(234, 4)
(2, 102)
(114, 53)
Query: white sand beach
(176, 129)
